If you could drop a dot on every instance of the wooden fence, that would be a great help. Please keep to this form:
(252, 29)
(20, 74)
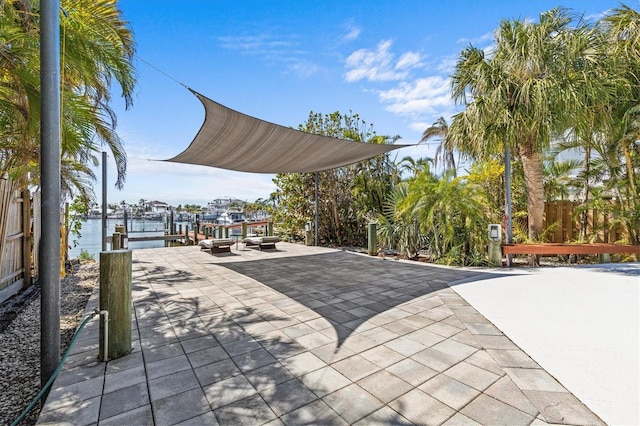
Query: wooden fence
(16, 246)
(563, 225)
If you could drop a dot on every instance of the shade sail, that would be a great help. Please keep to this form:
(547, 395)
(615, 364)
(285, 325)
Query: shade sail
(232, 140)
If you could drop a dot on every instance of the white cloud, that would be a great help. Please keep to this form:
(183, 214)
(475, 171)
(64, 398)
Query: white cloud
(408, 60)
(352, 32)
(427, 95)
(378, 64)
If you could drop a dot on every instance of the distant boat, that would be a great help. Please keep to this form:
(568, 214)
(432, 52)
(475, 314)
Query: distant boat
(230, 217)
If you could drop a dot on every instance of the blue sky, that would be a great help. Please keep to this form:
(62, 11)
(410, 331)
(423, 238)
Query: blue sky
(387, 61)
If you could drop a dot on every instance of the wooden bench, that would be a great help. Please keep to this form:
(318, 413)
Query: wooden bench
(548, 249)
(216, 245)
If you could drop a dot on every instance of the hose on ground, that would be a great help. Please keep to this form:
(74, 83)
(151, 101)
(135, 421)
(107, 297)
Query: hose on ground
(55, 372)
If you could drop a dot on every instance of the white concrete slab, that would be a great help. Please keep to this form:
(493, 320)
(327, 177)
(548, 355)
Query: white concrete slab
(580, 323)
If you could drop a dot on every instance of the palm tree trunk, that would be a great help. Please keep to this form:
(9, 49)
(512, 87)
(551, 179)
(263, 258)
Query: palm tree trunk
(533, 176)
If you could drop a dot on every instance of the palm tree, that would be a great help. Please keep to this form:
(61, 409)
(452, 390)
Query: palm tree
(96, 48)
(440, 129)
(529, 89)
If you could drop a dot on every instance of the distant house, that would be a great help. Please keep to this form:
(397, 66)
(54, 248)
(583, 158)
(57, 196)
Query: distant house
(158, 207)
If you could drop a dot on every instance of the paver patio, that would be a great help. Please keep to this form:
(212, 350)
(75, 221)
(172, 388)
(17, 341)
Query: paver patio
(304, 336)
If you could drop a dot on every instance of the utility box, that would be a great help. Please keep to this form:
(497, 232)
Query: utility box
(308, 235)
(495, 244)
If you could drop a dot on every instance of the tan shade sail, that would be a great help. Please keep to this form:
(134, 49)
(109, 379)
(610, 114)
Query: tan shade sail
(232, 140)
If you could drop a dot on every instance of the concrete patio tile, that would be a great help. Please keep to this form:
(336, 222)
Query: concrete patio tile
(443, 329)
(435, 359)
(157, 340)
(216, 372)
(506, 391)
(315, 413)
(254, 359)
(318, 323)
(207, 356)
(488, 411)
(172, 384)
(249, 411)
(512, 358)
(483, 360)
(471, 317)
(282, 349)
(198, 343)
(329, 353)
(355, 367)
(384, 386)
(422, 409)
(417, 321)
(359, 343)
(240, 347)
(483, 328)
(457, 349)
(167, 366)
(459, 419)
(80, 373)
(352, 403)
(297, 330)
(325, 381)
(303, 363)
(123, 400)
(380, 335)
(59, 396)
(455, 322)
(83, 412)
(207, 418)
(162, 352)
(141, 416)
(228, 391)
(401, 327)
(556, 407)
(449, 391)
(412, 371)
(131, 360)
(382, 356)
(494, 342)
(123, 379)
(476, 377)
(258, 327)
(468, 339)
(359, 325)
(288, 396)
(534, 379)
(384, 417)
(438, 314)
(314, 340)
(177, 408)
(405, 346)
(268, 376)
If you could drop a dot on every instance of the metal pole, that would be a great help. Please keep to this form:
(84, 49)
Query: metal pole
(316, 208)
(507, 196)
(507, 181)
(104, 201)
(49, 261)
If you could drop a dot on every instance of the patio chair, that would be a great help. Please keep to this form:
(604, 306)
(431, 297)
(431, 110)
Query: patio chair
(261, 243)
(216, 245)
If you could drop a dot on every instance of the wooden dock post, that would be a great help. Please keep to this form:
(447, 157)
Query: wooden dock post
(373, 240)
(115, 297)
(115, 241)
